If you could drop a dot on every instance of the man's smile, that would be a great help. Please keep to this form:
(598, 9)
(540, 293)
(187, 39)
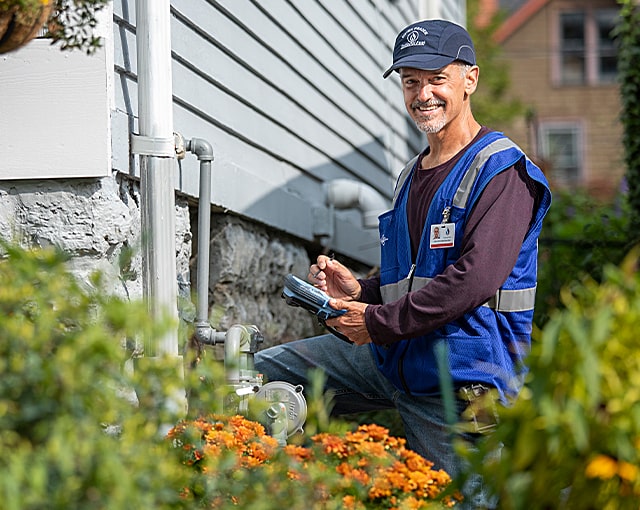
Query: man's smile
(427, 107)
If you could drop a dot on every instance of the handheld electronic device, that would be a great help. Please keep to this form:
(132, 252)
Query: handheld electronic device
(297, 292)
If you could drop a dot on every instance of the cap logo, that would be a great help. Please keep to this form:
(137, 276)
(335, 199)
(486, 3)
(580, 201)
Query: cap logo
(413, 38)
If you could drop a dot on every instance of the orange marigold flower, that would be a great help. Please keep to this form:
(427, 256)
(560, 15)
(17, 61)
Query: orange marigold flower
(332, 444)
(380, 489)
(372, 449)
(349, 502)
(250, 462)
(413, 503)
(294, 475)
(211, 450)
(376, 432)
(299, 453)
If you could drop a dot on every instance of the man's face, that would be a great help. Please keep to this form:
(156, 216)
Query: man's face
(435, 98)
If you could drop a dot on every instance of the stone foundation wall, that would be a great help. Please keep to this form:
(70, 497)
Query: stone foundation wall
(247, 268)
(97, 221)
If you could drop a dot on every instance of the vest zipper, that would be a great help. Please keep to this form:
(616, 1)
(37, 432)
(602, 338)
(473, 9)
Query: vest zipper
(410, 276)
(401, 359)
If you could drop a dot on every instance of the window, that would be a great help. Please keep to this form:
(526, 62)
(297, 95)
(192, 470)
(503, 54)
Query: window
(561, 148)
(587, 51)
(573, 47)
(606, 20)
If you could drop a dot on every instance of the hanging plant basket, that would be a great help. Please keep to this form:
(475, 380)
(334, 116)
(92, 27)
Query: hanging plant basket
(18, 25)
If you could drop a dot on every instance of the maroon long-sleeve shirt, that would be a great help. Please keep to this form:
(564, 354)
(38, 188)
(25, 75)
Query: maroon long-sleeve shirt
(491, 243)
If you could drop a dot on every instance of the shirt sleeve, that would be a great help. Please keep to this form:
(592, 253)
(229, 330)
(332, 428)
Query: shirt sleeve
(370, 290)
(490, 246)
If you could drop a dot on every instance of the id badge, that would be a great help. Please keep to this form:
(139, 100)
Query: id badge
(442, 235)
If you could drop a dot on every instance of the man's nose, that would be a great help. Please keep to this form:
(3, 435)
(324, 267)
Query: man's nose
(425, 92)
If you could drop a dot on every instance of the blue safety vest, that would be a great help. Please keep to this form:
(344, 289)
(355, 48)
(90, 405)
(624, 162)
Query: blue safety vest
(488, 344)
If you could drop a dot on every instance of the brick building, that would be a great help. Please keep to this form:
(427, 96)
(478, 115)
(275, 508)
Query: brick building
(562, 60)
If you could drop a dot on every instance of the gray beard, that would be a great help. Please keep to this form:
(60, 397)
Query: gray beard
(430, 127)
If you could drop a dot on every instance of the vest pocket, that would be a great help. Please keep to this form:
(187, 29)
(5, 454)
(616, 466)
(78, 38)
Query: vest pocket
(473, 359)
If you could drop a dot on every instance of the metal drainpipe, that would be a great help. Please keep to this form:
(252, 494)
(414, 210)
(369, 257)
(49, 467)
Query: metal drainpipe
(240, 341)
(203, 330)
(155, 145)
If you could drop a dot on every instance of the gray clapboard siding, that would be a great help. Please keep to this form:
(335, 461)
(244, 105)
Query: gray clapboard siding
(290, 94)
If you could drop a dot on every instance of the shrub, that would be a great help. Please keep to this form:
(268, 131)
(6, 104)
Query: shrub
(71, 435)
(71, 23)
(78, 430)
(579, 237)
(627, 33)
(573, 438)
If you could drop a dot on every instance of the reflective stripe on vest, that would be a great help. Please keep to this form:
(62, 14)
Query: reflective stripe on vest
(504, 300)
(464, 190)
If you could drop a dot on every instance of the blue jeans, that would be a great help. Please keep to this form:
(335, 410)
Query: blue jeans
(357, 386)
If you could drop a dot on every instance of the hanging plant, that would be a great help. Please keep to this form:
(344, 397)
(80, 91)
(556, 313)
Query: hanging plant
(21, 20)
(69, 23)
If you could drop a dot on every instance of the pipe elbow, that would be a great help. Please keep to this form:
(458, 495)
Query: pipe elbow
(203, 332)
(349, 194)
(232, 341)
(201, 148)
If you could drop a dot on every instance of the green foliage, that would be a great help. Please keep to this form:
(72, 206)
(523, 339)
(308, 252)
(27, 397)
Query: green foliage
(7, 5)
(490, 106)
(79, 429)
(73, 23)
(573, 438)
(71, 435)
(628, 34)
(579, 237)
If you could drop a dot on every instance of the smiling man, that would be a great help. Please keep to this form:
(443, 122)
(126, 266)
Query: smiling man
(458, 264)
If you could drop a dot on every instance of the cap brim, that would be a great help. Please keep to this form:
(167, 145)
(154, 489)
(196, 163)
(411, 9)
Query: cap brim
(425, 62)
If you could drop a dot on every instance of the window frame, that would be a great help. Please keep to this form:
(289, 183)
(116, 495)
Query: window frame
(576, 129)
(593, 50)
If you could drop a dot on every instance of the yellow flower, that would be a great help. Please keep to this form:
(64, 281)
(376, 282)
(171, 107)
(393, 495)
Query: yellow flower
(627, 471)
(601, 466)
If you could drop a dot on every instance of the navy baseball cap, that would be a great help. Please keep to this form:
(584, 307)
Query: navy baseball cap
(430, 45)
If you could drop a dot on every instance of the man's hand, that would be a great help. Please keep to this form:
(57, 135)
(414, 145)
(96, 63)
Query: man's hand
(332, 277)
(352, 323)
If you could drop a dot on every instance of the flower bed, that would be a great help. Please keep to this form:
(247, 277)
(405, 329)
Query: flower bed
(365, 468)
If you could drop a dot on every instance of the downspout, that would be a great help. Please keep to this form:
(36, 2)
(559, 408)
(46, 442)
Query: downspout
(155, 145)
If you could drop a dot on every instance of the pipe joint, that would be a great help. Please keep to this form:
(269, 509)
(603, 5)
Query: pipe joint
(201, 148)
(205, 334)
(349, 194)
(240, 344)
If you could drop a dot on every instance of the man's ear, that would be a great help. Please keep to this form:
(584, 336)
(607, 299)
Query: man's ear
(471, 80)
